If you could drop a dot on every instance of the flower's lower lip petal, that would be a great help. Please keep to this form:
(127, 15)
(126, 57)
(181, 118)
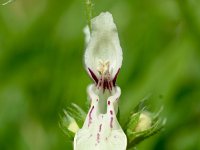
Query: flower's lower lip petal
(118, 140)
(85, 141)
(101, 131)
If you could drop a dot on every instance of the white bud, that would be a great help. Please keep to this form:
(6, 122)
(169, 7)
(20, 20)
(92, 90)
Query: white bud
(144, 123)
(73, 126)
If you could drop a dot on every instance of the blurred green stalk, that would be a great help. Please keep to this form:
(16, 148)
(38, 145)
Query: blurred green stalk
(88, 6)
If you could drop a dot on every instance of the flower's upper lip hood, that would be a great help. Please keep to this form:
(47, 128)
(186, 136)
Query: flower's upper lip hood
(103, 55)
(103, 22)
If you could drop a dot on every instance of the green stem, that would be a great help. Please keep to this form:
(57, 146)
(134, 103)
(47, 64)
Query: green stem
(88, 4)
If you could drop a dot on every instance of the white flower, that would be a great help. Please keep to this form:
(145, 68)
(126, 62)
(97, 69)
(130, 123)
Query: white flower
(101, 130)
(103, 60)
(103, 55)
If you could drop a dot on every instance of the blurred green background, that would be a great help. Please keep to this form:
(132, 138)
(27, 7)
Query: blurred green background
(41, 68)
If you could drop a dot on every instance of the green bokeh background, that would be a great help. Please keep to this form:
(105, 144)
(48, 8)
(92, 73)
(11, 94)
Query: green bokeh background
(42, 72)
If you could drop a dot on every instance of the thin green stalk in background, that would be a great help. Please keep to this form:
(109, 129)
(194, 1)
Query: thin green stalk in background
(3, 2)
(88, 5)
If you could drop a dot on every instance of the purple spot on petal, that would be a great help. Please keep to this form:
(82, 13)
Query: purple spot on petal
(93, 75)
(115, 78)
(111, 112)
(111, 122)
(100, 127)
(90, 116)
(98, 137)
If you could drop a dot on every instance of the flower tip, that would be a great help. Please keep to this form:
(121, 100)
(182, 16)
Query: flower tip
(104, 21)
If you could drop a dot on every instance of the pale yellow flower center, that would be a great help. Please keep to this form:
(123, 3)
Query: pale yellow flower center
(103, 67)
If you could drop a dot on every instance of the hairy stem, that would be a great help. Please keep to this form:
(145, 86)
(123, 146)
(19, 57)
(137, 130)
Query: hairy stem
(88, 5)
